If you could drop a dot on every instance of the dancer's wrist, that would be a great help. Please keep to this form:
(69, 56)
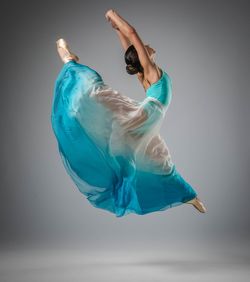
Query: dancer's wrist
(119, 22)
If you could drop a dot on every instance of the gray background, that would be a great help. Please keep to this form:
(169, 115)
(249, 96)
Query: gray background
(204, 47)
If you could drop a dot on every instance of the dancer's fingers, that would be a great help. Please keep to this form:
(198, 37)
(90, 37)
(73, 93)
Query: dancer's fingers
(109, 12)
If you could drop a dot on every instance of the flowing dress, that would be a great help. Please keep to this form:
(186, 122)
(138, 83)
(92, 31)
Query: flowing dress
(111, 145)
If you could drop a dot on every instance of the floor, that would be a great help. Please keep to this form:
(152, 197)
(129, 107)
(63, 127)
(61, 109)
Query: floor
(183, 264)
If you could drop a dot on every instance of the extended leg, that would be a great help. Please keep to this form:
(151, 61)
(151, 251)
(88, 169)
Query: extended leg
(64, 52)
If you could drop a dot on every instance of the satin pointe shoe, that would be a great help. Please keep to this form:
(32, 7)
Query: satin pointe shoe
(197, 203)
(64, 52)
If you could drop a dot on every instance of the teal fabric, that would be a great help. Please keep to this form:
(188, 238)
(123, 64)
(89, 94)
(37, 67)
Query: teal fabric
(161, 90)
(98, 157)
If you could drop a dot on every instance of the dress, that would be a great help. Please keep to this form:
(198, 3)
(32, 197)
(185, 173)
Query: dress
(110, 144)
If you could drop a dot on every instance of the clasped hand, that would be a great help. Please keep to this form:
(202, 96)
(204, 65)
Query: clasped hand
(108, 16)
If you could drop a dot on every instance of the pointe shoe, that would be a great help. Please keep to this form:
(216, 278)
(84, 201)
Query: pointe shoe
(197, 203)
(63, 50)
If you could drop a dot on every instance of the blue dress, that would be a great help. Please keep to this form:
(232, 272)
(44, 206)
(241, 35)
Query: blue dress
(110, 144)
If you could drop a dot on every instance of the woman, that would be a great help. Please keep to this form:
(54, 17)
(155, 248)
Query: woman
(109, 143)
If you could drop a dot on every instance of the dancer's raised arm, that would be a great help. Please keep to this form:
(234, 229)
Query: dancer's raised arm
(129, 31)
(124, 40)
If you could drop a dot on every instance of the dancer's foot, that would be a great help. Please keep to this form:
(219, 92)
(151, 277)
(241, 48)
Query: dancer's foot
(63, 50)
(197, 203)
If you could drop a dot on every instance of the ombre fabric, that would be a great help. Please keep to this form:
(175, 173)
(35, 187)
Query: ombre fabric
(111, 147)
(161, 89)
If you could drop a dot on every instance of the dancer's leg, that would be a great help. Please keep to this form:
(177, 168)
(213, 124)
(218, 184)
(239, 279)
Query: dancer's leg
(64, 52)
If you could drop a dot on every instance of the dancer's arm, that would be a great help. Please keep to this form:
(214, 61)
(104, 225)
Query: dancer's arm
(118, 22)
(129, 31)
(124, 40)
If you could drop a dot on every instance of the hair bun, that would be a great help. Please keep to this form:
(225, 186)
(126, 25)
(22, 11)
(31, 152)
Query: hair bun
(131, 69)
(132, 60)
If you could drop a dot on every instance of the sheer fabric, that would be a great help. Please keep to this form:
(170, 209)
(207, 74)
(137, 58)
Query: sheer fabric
(111, 147)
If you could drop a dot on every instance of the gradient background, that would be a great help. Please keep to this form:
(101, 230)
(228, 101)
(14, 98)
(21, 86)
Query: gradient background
(204, 46)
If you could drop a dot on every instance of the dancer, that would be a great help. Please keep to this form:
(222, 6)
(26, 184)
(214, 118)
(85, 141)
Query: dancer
(109, 143)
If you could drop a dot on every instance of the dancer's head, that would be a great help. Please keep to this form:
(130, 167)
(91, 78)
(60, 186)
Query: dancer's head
(150, 51)
(132, 59)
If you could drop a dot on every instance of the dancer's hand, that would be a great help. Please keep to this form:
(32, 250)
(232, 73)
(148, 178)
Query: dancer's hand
(108, 16)
(108, 13)
(113, 24)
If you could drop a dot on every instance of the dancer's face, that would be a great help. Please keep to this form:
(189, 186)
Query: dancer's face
(150, 51)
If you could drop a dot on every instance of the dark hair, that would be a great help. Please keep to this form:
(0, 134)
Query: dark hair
(132, 60)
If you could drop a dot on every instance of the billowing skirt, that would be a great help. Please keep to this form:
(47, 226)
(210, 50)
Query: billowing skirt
(111, 147)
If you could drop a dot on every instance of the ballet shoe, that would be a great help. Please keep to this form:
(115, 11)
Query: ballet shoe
(64, 52)
(197, 203)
